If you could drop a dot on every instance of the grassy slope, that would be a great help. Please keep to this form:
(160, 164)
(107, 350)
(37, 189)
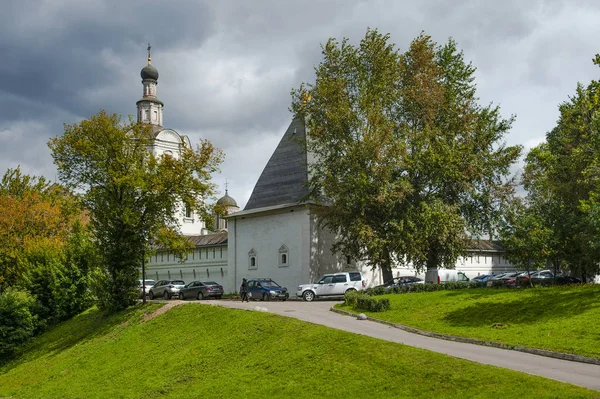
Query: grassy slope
(203, 351)
(562, 319)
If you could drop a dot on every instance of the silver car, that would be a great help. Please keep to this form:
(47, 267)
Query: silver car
(166, 289)
(141, 286)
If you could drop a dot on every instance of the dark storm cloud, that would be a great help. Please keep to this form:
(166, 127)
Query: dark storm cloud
(55, 51)
(226, 67)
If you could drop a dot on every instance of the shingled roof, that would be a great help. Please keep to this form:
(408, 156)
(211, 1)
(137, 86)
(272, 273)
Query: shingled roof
(209, 239)
(283, 181)
(485, 246)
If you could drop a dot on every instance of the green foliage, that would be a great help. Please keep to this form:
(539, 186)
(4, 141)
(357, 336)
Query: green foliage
(562, 180)
(405, 160)
(133, 197)
(99, 356)
(350, 297)
(371, 304)
(527, 236)
(558, 318)
(60, 281)
(404, 289)
(17, 323)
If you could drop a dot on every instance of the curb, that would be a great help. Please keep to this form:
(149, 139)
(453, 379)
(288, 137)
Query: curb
(540, 352)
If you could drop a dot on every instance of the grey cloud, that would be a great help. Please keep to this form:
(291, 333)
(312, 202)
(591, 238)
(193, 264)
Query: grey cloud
(227, 67)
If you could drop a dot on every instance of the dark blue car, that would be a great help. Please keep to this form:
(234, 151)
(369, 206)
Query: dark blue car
(265, 289)
(482, 278)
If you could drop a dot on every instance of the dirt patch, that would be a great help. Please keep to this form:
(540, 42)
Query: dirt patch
(161, 310)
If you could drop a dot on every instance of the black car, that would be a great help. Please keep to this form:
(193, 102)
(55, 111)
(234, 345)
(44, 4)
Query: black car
(265, 289)
(401, 282)
(201, 290)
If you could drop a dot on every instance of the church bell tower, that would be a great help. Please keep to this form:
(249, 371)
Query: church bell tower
(149, 108)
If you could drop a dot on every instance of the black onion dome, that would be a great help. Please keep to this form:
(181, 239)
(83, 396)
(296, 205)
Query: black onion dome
(149, 72)
(227, 201)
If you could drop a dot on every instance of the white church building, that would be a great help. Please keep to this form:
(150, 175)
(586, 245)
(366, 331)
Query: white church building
(276, 235)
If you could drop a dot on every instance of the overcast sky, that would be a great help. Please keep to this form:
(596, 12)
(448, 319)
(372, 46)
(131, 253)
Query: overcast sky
(227, 67)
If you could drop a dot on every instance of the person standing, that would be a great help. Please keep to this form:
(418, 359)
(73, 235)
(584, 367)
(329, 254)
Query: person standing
(244, 290)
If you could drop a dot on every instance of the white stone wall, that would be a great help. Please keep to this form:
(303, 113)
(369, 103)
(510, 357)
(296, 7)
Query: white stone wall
(266, 234)
(203, 263)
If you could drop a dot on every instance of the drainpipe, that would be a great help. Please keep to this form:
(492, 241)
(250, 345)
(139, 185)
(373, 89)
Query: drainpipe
(235, 254)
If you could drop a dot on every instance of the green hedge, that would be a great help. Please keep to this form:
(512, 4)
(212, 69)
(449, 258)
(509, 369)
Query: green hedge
(17, 323)
(362, 301)
(421, 288)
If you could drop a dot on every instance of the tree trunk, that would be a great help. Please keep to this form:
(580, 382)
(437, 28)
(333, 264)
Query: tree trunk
(386, 267)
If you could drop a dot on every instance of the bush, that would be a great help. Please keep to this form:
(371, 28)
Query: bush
(350, 297)
(421, 288)
(17, 323)
(371, 304)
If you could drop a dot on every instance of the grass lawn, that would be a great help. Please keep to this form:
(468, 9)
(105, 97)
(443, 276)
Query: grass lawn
(561, 319)
(203, 351)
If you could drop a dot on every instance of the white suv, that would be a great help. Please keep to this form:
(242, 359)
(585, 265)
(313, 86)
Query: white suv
(336, 284)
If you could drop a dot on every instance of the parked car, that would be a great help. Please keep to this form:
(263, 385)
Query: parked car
(166, 289)
(441, 276)
(141, 286)
(331, 285)
(265, 289)
(482, 279)
(503, 280)
(402, 281)
(201, 290)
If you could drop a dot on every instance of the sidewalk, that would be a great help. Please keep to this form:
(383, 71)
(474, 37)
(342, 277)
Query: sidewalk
(581, 374)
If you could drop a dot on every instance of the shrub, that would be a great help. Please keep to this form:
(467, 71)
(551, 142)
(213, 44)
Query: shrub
(371, 304)
(350, 297)
(17, 323)
(421, 288)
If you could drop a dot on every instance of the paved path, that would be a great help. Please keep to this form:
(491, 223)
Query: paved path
(585, 375)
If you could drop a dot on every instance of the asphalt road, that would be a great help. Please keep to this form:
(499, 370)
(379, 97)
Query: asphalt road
(582, 374)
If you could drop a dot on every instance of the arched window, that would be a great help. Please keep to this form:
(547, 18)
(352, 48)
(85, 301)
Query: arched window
(283, 256)
(252, 260)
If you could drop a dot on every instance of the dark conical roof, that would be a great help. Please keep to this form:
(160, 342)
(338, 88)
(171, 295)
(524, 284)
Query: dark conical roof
(283, 181)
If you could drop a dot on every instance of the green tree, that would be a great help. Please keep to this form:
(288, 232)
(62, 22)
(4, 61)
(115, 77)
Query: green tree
(526, 235)
(33, 214)
(565, 171)
(132, 197)
(405, 162)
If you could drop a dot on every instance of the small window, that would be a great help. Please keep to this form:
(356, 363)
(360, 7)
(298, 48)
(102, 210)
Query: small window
(339, 278)
(252, 261)
(355, 276)
(188, 211)
(283, 256)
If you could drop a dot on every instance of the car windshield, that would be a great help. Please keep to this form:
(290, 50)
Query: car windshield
(178, 282)
(210, 283)
(150, 282)
(269, 284)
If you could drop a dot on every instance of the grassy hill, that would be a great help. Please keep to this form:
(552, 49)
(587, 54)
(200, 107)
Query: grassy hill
(203, 351)
(562, 319)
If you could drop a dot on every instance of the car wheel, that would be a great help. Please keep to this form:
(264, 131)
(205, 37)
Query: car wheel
(218, 296)
(265, 297)
(166, 296)
(350, 290)
(308, 296)
(200, 296)
(151, 295)
(181, 297)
